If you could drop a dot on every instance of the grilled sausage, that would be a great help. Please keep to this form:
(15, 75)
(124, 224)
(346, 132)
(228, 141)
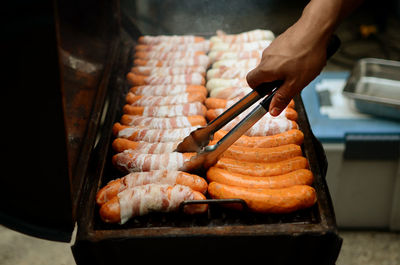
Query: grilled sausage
(293, 136)
(184, 79)
(120, 144)
(288, 113)
(201, 60)
(238, 55)
(228, 73)
(219, 82)
(242, 46)
(131, 161)
(263, 169)
(219, 103)
(277, 201)
(141, 200)
(143, 178)
(168, 90)
(262, 155)
(297, 177)
(248, 36)
(135, 133)
(161, 71)
(163, 123)
(140, 100)
(173, 39)
(187, 109)
(168, 47)
(245, 63)
(167, 55)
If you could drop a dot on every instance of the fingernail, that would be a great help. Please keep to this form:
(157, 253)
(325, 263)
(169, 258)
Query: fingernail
(275, 111)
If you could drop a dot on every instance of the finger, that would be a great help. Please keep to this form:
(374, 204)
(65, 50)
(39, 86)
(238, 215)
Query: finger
(259, 75)
(282, 98)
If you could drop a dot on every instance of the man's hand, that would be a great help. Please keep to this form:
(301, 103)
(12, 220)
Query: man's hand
(298, 55)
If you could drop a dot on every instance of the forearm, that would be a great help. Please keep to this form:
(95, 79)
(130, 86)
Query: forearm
(321, 17)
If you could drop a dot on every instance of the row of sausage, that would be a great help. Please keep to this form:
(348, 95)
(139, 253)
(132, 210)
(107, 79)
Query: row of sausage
(180, 83)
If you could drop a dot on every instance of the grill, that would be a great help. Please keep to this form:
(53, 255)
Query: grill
(93, 95)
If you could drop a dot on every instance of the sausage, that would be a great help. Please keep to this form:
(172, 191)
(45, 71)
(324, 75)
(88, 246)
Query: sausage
(287, 113)
(173, 39)
(143, 178)
(297, 177)
(228, 73)
(167, 111)
(293, 136)
(141, 200)
(201, 60)
(219, 82)
(223, 55)
(163, 123)
(245, 63)
(219, 103)
(248, 36)
(161, 71)
(168, 90)
(242, 46)
(189, 79)
(167, 55)
(131, 161)
(135, 133)
(122, 144)
(262, 155)
(267, 125)
(168, 47)
(230, 92)
(262, 169)
(140, 100)
(275, 201)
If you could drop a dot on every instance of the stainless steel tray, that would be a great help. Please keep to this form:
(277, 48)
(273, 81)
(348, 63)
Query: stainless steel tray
(374, 85)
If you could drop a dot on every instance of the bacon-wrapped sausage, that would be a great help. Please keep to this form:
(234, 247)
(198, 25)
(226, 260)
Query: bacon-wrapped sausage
(143, 178)
(141, 200)
(172, 39)
(188, 109)
(168, 90)
(186, 79)
(163, 123)
(135, 133)
(161, 71)
(140, 100)
(121, 144)
(248, 36)
(131, 161)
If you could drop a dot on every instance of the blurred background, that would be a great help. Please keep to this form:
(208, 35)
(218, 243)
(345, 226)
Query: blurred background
(361, 137)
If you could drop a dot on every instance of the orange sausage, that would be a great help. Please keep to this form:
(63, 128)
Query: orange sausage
(110, 212)
(263, 169)
(212, 114)
(293, 136)
(168, 90)
(262, 155)
(140, 100)
(142, 178)
(166, 123)
(276, 201)
(297, 177)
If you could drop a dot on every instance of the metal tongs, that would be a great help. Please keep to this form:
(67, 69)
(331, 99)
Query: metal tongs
(198, 140)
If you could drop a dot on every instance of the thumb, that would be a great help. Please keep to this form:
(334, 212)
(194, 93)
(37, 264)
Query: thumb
(281, 99)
